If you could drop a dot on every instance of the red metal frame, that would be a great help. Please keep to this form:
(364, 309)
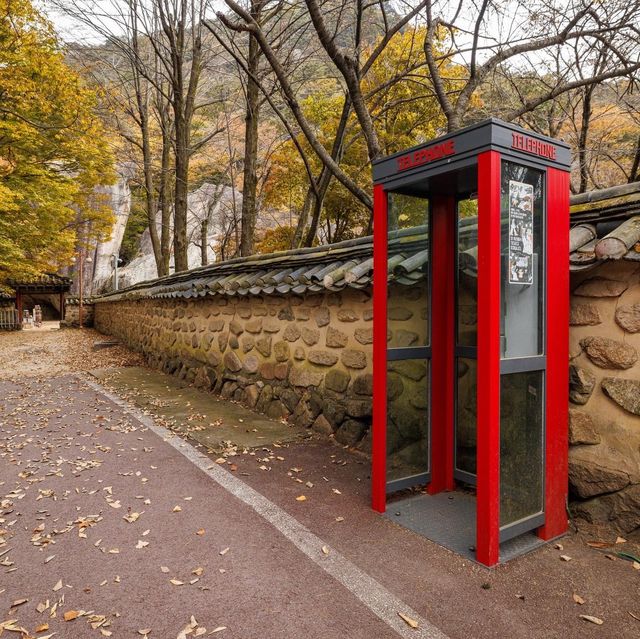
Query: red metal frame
(443, 217)
(557, 351)
(379, 425)
(488, 352)
(488, 384)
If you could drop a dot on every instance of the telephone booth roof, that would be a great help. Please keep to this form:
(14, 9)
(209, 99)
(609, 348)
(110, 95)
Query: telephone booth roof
(411, 171)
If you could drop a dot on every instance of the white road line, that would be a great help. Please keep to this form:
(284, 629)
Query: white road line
(370, 592)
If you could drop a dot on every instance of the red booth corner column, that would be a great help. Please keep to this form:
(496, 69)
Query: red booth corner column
(488, 385)
(379, 425)
(442, 401)
(557, 350)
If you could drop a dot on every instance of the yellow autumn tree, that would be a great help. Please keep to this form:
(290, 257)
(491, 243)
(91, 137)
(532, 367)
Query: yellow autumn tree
(53, 149)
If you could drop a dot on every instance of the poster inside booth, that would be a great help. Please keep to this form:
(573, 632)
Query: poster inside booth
(520, 233)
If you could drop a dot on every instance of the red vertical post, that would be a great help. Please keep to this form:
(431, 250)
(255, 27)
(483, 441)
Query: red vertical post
(442, 260)
(379, 425)
(557, 351)
(488, 402)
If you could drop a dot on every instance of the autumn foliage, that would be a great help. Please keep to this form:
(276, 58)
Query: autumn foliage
(53, 149)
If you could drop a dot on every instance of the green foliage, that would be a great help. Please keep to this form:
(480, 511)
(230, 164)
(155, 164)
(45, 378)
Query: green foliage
(53, 150)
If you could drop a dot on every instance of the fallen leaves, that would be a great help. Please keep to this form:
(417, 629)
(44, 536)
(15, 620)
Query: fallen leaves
(224, 551)
(565, 558)
(592, 619)
(132, 517)
(70, 615)
(176, 509)
(578, 599)
(412, 623)
(176, 582)
(19, 602)
(141, 544)
(301, 498)
(200, 532)
(57, 586)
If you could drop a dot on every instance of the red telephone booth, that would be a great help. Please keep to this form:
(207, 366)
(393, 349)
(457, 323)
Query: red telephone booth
(471, 295)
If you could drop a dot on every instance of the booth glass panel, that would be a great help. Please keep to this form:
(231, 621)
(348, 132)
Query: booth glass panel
(467, 283)
(407, 422)
(466, 340)
(408, 264)
(522, 228)
(521, 449)
(466, 418)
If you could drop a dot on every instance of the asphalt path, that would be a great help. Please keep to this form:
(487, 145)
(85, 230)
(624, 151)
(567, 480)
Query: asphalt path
(112, 526)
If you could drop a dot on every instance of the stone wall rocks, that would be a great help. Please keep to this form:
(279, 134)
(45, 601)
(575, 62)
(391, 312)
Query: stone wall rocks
(581, 384)
(584, 315)
(609, 353)
(628, 317)
(582, 429)
(306, 359)
(601, 287)
(624, 392)
(604, 379)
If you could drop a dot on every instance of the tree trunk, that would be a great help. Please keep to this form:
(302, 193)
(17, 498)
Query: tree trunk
(204, 232)
(582, 140)
(250, 180)
(180, 240)
(635, 167)
(313, 202)
(164, 198)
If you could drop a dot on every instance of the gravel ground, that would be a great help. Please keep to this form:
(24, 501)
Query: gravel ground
(32, 353)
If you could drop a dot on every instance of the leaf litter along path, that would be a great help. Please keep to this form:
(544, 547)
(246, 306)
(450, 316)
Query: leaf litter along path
(83, 484)
(104, 518)
(31, 353)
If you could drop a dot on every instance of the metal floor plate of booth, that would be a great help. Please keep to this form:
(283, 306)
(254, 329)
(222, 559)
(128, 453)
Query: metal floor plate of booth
(449, 519)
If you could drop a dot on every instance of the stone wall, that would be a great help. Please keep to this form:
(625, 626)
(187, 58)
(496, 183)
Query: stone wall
(604, 457)
(304, 359)
(72, 314)
(308, 360)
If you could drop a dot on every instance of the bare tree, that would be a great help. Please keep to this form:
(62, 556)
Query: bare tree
(487, 37)
(162, 43)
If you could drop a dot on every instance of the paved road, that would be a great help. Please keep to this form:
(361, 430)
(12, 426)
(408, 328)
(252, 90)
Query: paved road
(132, 529)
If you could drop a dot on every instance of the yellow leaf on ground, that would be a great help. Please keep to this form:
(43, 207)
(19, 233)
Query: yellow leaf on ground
(591, 619)
(412, 623)
(70, 615)
(578, 599)
(301, 498)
